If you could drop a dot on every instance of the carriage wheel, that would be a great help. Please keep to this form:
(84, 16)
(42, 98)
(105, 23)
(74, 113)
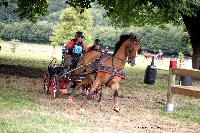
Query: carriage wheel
(46, 83)
(54, 88)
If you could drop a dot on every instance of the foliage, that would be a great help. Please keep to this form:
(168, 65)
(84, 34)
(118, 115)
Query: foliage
(56, 5)
(26, 31)
(139, 12)
(107, 34)
(30, 9)
(181, 56)
(99, 16)
(51, 18)
(8, 12)
(168, 39)
(54, 10)
(126, 12)
(70, 22)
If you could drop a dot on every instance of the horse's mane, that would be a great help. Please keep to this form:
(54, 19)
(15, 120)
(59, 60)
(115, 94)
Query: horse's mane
(122, 39)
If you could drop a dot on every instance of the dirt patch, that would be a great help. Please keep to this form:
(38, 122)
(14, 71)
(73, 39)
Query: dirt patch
(21, 71)
(139, 112)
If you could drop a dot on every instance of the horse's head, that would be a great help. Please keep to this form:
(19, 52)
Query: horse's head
(132, 49)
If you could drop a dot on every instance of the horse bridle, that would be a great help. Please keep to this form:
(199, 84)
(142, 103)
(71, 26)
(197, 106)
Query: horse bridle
(130, 46)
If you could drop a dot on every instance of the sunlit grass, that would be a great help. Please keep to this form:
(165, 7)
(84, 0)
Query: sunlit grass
(30, 55)
(187, 109)
(19, 113)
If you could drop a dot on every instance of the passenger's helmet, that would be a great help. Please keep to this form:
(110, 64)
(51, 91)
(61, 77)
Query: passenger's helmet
(97, 41)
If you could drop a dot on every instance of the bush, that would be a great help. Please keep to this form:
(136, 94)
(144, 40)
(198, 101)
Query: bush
(107, 34)
(171, 40)
(26, 31)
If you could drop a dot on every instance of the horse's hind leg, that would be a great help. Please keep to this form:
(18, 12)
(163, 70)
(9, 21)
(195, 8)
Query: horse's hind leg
(94, 87)
(73, 93)
(115, 88)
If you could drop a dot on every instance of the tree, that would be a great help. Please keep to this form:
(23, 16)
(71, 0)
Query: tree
(72, 21)
(28, 9)
(6, 13)
(99, 15)
(156, 12)
(129, 12)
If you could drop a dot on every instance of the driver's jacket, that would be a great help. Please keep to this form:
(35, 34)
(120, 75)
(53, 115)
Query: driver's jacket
(76, 49)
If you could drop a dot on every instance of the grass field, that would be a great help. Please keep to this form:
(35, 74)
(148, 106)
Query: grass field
(24, 108)
(37, 55)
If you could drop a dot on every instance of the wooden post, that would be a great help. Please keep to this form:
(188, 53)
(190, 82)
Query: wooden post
(170, 97)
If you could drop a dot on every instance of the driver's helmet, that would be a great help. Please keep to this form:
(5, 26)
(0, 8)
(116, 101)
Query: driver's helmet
(79, 34)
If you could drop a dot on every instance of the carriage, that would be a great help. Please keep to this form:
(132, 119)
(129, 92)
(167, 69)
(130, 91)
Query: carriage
(57, 80)
(96, 70)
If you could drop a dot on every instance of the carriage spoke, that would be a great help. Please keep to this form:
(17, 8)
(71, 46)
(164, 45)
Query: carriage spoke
(54, 88)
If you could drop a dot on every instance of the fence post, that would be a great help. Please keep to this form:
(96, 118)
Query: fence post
(170, 97)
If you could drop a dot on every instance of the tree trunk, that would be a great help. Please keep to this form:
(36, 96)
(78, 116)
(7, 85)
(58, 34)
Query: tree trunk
(192, 24)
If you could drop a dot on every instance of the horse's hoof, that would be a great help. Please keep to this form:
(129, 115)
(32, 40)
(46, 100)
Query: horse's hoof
(116, 110)
(82, 109)
(94, 97)
(70, 101)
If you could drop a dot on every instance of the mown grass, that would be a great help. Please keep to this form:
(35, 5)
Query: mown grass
(20, 114)
(187, 109)
(29, 55)
(24, 61)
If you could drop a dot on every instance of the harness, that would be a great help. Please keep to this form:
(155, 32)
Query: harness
(98, 67)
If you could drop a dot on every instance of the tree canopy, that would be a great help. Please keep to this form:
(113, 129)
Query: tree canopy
(29, 9)
(72, 21)
(122, 12)
(140, 12)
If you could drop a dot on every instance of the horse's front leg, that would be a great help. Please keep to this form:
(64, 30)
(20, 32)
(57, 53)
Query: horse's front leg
(73, 93)
(94, 87)
(115, 88)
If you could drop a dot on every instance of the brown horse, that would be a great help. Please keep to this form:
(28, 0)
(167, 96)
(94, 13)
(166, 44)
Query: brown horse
(126, 47)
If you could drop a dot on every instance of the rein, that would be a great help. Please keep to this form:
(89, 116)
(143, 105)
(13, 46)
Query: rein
(68, 72)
